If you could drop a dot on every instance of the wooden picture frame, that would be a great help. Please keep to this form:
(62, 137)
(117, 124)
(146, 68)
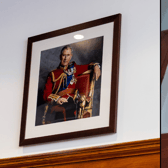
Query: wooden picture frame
(108, 27)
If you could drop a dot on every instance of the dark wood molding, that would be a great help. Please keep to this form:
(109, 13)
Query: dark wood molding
(164, 52)
(146, 152)
(164, 150)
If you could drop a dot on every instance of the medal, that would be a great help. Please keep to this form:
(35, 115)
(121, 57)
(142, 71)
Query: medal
(69, 72)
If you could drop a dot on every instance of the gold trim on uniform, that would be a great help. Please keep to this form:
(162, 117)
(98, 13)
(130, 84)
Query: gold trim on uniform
(74, 69)
(61, 77)
(53, 97)
(63, 68)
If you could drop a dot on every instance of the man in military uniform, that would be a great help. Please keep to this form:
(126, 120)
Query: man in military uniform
(60, 89)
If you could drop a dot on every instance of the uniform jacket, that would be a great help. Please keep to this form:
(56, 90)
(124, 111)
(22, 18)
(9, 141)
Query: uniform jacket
(62, 79)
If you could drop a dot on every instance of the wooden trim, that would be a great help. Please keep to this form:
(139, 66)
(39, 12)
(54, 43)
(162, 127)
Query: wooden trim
(164, 52)
(142, 148)
(164, 150)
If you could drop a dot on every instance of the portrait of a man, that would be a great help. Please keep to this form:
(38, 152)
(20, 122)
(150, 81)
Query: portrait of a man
(67, 92)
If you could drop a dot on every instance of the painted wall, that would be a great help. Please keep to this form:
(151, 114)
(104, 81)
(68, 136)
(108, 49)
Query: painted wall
(164, 14)
(139, 81)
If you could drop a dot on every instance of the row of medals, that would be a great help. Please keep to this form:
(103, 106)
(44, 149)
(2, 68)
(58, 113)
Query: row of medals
(71, 71)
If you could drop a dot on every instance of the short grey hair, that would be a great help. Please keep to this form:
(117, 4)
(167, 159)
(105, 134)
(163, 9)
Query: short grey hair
(65, 48)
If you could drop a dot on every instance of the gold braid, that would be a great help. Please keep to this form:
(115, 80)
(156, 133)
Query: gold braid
(61, 77)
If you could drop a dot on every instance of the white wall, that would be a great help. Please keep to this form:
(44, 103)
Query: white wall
(139, 81)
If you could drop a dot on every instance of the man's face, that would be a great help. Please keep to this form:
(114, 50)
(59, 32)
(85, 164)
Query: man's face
(66, 57)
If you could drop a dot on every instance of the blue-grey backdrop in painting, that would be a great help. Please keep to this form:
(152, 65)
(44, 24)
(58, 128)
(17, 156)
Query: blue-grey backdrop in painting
(84, 52)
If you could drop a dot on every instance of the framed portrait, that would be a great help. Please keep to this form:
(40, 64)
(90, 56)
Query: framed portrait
(71, 82)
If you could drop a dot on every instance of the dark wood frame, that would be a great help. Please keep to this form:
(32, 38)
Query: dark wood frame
(136, 154)
(164, 63)
(164, 52)
(114, 84)
(164, 150)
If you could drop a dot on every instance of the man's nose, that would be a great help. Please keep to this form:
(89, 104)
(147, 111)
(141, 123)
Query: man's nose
(65, 56)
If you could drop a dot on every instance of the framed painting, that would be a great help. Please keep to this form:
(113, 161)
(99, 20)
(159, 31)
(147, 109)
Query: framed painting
(71, 82)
